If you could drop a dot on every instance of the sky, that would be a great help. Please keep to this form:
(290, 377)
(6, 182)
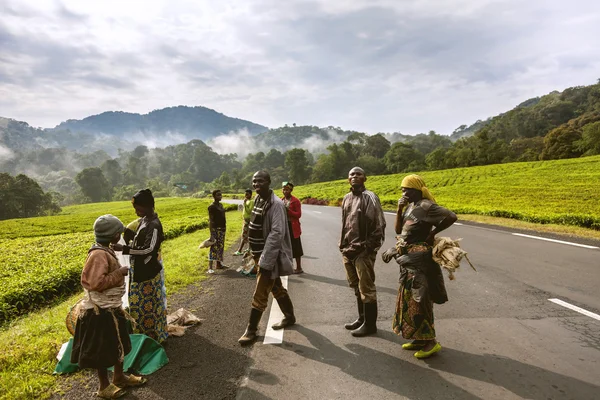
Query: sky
(407, 66)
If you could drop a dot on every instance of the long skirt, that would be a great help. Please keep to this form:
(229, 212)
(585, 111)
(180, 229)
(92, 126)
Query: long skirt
(296, 244)
(413, 319)
(147, 307)
(216, 250)
(101, 340)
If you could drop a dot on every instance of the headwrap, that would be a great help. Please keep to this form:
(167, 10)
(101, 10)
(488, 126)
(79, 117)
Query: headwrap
(284, 184)
(416, 182)
(106, 228)
(143, 198)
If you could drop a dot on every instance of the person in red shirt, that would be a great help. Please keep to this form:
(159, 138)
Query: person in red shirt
(294, 212)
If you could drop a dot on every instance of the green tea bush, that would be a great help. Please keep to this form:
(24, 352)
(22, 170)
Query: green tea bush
(559, 191)
(42, 263)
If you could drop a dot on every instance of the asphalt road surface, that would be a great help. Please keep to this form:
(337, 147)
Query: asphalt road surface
(502, 337)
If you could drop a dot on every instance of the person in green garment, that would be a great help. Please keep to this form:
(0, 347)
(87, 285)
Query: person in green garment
(246, 215)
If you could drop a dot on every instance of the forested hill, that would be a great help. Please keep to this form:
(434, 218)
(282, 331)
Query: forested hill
(190, 122)
(555, 126)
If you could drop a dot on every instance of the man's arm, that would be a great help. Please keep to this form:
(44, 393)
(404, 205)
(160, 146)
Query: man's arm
(341, 242)
(376, 224)
(268, 259)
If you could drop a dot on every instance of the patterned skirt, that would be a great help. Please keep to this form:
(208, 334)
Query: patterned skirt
(413, 320)
(216, 250)
(147, 307)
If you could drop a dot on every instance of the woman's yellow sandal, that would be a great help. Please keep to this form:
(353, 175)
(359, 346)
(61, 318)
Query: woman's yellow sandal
(413, 346)
(425, 354)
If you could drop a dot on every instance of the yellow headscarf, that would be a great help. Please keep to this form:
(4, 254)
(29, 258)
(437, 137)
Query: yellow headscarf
(416, 182)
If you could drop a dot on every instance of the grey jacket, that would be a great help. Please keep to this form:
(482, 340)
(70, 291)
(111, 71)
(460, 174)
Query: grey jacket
(277, 253)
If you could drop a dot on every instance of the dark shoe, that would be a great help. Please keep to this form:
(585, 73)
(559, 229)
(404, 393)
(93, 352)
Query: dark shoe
(361, 316)
(369, 327)
(250, 335)
(285, 303)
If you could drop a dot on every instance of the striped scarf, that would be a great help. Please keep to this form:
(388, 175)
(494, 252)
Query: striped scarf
(255, 228)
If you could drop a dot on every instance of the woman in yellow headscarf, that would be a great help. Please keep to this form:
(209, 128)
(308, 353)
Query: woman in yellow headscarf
(418, 220)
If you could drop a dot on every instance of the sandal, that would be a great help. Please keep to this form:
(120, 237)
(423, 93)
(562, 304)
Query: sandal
(426, 354)
(111, 392)
(132, 381)
(298, 271)
(413, 346)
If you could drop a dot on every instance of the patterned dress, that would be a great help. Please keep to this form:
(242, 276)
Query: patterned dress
(216, 215)
(413, 318)
(147, 297)
(147, 307)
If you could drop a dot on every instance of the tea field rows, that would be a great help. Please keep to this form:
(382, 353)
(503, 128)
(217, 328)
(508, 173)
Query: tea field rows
(42, 262)
(559, 191)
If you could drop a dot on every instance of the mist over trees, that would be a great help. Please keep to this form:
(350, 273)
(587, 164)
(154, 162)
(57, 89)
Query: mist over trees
(554, 126)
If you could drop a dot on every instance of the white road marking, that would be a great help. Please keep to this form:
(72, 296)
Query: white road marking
(556, 241)
(390, 213)
(318, 212)
(575, 308)
(271, 335)
(458, 223)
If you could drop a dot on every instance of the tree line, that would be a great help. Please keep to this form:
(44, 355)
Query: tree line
(21, 197)
(559, 125)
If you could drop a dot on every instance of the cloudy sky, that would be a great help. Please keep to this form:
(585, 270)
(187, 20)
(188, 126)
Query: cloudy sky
(369, 65)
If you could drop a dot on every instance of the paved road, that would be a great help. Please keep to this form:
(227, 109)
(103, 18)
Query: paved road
(502, 338)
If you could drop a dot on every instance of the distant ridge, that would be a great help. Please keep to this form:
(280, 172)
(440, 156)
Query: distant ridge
(191, 122)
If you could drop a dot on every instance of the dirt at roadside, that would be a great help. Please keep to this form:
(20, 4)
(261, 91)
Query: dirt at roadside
(207, 362)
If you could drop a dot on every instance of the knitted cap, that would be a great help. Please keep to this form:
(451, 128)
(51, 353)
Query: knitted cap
(106, 227)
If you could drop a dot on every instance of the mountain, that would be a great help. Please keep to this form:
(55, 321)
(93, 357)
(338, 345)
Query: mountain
(188, 122)
(114, 130)
(18, 136)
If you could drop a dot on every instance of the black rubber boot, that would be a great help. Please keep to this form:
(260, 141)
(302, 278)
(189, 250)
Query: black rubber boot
(250, 335)
(369, 327)
(361, 316)
(285, 303)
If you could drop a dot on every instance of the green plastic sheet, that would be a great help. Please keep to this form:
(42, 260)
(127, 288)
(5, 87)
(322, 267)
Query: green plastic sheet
(146, 356)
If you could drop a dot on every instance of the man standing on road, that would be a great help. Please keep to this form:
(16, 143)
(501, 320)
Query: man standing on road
(363, 233)
(271, 247)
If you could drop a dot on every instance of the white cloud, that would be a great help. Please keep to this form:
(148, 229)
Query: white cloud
(5, 154)
(370, 65)
(240, 143)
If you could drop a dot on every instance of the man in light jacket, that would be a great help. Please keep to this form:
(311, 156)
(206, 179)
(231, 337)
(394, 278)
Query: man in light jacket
(271, 247)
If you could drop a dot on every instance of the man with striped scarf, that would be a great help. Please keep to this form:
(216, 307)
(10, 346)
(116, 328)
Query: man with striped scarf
(363, 233)
(271, 248)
